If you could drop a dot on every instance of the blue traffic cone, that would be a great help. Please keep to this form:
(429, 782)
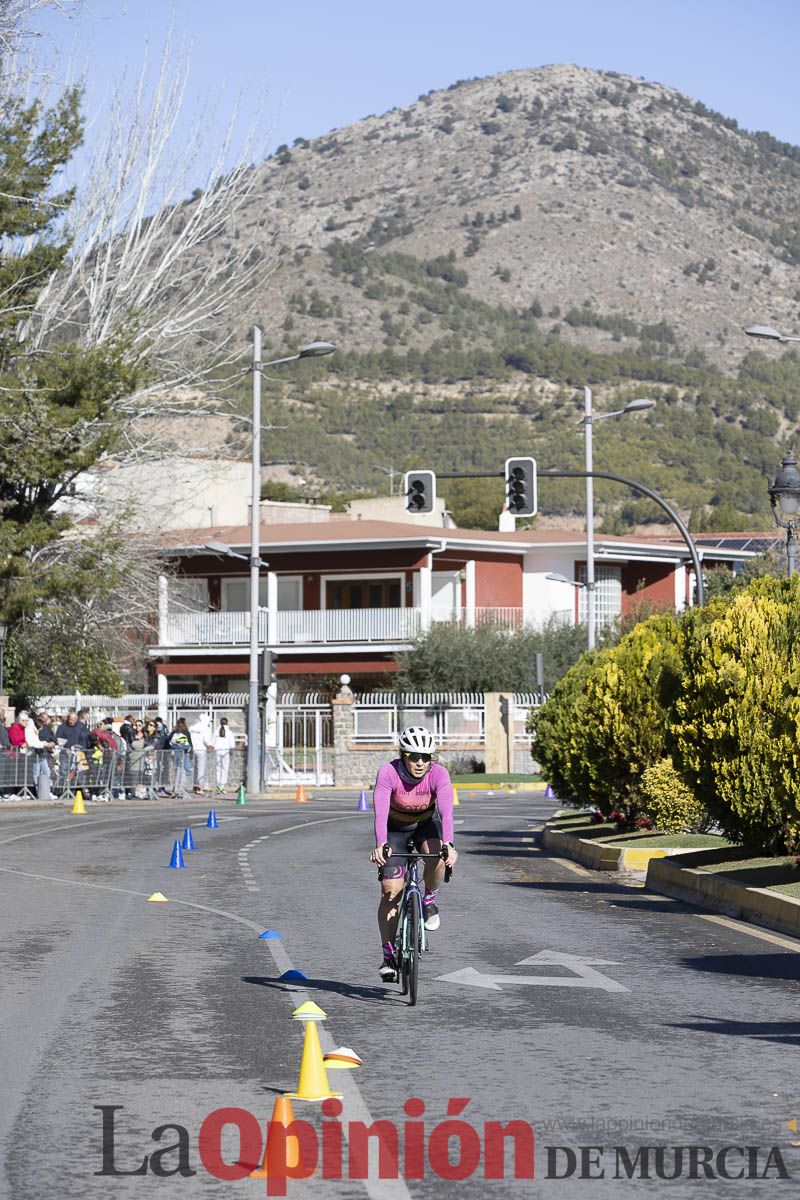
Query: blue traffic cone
(212, 822)
(188, 840)
(363, 803)
(292, 974)
(177, 856)
(269, 934)
(549, 792)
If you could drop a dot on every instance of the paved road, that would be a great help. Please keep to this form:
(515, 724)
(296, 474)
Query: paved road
(678, 1030)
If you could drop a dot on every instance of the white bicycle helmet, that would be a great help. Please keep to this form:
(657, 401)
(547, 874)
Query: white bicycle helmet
(417, 737)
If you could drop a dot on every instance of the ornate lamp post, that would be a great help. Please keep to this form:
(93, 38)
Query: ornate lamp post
(784, 496)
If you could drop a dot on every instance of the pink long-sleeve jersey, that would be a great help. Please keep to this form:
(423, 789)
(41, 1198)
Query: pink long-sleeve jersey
(396, 791)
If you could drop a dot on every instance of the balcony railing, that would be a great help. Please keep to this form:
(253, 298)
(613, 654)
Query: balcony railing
(321, 627)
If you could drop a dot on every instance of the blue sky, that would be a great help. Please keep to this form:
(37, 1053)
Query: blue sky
(323, 65)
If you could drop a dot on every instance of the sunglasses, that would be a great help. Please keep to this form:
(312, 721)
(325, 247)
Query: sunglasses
(414, 757)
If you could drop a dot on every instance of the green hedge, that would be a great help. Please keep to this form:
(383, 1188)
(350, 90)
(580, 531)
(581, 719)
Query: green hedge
(714, 694)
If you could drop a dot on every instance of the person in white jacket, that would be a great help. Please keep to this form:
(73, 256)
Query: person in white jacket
(42, 741)
(202, 735)
(224, 742)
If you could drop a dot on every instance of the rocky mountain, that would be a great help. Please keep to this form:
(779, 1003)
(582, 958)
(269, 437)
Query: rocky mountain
(481, 253)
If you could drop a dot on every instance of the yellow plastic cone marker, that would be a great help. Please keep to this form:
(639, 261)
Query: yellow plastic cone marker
(157, 898)
(456, 800)
(79, 807)
(309, 1012)
(313, 1084)
(343, 1058)
(282, 1114)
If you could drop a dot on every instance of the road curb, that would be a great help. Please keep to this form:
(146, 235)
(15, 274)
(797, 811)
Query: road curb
(669, 874)
(720, 894)
(599, 856)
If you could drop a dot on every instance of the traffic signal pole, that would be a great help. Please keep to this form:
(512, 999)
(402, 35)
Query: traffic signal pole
(635, 486)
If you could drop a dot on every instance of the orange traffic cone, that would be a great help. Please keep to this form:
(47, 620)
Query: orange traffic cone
(283, 1147)
(301, 797)
(313, 1084)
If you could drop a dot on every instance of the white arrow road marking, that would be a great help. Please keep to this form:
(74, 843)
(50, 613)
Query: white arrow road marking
(582, 967)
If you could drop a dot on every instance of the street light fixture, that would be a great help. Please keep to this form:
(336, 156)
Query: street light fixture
(784, 496)
(588, 420)
(557, 577)
(773, 335)
(390, 471)
(311, 350)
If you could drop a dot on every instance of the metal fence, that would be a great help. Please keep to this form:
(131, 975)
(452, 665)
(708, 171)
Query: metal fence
(142, 773)
(452, 717)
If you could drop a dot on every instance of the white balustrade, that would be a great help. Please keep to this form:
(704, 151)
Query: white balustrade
(303, 628)
(315, 626)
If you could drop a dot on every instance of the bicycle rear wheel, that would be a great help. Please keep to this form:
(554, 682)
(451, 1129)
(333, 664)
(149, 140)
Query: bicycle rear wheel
(414, 924)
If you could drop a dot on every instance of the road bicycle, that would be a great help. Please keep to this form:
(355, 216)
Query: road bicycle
(411, 938)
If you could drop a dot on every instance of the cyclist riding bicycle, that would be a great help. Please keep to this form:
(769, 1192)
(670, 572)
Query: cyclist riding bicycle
(412, 799)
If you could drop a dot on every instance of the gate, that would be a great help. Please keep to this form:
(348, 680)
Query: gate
(303, 750)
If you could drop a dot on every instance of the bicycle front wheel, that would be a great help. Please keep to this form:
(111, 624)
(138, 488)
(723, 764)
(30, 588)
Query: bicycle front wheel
(414, 926)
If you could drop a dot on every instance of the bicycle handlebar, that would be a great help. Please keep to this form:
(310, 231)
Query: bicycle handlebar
(389, 853)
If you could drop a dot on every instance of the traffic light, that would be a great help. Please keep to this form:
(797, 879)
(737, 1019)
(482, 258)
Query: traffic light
(267, 671)
(521, 486)
(420, 491)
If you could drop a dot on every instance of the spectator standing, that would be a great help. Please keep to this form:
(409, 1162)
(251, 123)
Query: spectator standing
(71, 737)
(179, 743)
(224, 742)
(202, 736)
(16, 732)
(126, 729)
(41, 740)
(5, 740)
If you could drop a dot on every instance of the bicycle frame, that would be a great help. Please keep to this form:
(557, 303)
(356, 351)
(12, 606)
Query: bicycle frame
(410, 920)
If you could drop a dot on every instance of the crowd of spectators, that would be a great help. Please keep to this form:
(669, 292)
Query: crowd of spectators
(131, 756)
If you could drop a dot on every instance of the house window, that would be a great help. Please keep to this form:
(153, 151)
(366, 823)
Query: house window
(236, 594)
(607, 594)
(290, 593)
(362, 593)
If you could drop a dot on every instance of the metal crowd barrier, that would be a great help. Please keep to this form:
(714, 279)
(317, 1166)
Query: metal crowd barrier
(137, 774)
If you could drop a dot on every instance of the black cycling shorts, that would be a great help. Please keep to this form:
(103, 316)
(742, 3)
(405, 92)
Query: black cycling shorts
(399, 833)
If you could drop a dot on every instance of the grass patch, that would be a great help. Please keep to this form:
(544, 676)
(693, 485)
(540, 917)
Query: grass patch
(674, 841)
(779, 874)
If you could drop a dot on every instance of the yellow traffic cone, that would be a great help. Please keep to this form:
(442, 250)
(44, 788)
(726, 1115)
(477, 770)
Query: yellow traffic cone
(282, 1115)
(456, 800)
(313, 1084)
(79, 807)
(157, 898)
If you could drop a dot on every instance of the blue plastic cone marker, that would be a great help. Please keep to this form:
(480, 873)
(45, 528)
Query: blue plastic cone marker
(188, 840)
(212, 822)
(549, 792)
(363, 804)
(269, 934)
(293, 974)
(177, 856)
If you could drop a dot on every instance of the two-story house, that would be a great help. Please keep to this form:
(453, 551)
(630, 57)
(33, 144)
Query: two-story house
(347, 595)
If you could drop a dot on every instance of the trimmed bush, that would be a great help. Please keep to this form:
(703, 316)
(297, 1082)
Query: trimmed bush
(607, 721)
(735, 724)
(670, 804)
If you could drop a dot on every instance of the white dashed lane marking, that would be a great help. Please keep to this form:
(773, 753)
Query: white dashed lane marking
(243, 855)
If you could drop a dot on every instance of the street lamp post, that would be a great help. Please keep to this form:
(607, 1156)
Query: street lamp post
(312, 350)
(3, 634)
(588, 420)
(390, 471)
(784, 496)
(784, 493)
